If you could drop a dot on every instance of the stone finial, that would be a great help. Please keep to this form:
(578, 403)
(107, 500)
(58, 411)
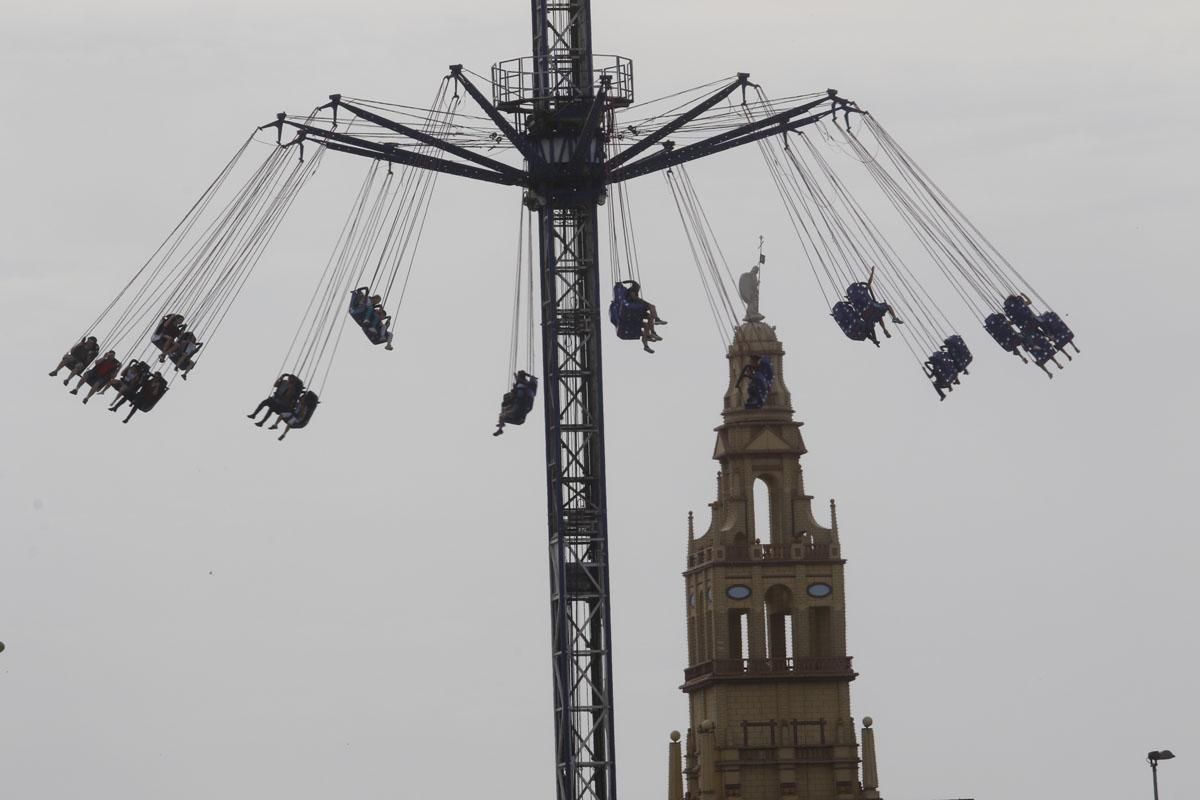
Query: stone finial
(674, 768)
(691, 526)
(870, 772)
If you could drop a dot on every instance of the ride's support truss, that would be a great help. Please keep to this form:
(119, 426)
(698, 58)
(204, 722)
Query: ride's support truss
(579, 597)
(563, 103)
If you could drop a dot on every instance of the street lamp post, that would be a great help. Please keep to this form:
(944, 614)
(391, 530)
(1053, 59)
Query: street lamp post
(1154, 756)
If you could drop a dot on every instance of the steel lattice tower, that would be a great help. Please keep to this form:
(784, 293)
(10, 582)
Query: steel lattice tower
(577, 506)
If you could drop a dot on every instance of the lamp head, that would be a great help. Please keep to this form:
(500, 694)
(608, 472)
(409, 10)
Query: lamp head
(1159, 755)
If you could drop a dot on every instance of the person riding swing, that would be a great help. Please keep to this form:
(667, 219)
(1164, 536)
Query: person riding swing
(147, 396)
(517, 401)
(181, 351)
(633, 316)
(367, 310)
(132, 377)
(943, 371)
(77, 358)
(283, 398)
(299, 415)
(168, 329)
(100, 376)
(869, 308)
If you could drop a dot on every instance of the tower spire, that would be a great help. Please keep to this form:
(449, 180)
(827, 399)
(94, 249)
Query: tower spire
(768, 675)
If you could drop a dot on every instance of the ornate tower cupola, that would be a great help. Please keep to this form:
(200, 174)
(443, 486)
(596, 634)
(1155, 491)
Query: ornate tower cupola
(768, 676)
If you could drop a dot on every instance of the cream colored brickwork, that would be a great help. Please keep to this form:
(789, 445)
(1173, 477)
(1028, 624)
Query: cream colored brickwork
(768, 678)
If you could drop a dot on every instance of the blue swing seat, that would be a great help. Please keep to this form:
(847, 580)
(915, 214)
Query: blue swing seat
(1056, 330)
(627, 314)
(1039, 347)
(850, 321)
(1000, 329)
(1019, 311)
(959, 353)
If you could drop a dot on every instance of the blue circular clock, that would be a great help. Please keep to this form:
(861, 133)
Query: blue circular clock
(738, 591)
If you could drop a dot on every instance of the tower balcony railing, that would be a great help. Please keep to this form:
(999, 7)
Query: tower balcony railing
(514, 87)
(807, 666)
(806, 551)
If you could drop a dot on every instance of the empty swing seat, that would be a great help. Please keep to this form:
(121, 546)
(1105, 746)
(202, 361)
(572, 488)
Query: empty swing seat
(626, 313)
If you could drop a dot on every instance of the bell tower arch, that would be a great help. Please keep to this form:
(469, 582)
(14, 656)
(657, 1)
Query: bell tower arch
(768, 675)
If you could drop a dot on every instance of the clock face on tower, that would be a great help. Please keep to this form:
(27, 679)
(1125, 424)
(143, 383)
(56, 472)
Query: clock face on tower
(819, 590)
(738, 591)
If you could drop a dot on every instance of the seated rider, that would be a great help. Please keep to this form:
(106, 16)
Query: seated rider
(299, 415)
(77, 358)
(367, 310)
(169, 327)
(631, 312)
(100, 376)
(1040, 348)
(517, 401)
(959, 353)
(1057, 331)
(127, 385)
(1000, 329)
(181, 351)
(852, 323)
(148, 395)
(378, 324)
(1020, 311)
(283, 397)
(872, 310)
(941, 368)
(360, 304)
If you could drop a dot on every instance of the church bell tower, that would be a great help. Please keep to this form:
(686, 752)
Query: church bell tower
(768, 675)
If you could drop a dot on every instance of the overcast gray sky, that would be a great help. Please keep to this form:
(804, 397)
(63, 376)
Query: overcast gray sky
(194, 611)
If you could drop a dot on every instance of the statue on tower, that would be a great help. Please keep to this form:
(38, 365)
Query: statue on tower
(748, 287)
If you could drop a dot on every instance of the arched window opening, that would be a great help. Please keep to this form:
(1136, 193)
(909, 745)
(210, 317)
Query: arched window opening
(777, 611)
(764, 528)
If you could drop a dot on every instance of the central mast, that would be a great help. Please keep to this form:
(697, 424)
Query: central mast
(564, 114)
